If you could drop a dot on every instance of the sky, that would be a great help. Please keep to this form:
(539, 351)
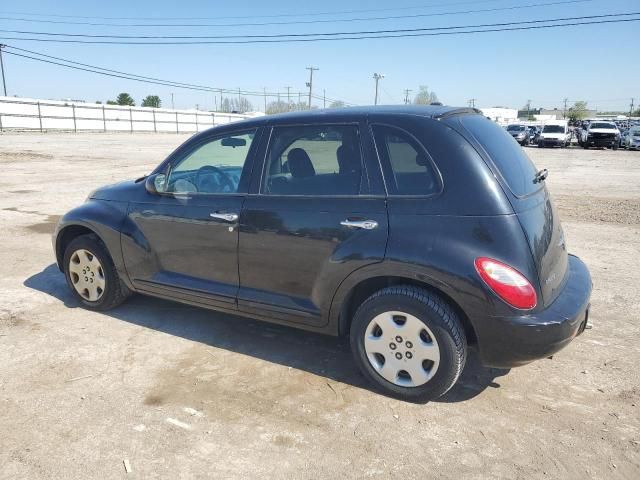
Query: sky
(595, 63)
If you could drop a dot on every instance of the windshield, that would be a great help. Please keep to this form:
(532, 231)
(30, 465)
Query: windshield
(635, 132)
(515, 128)
(609, 126)
(553, 129)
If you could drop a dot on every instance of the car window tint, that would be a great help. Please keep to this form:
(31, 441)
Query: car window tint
(409, 164)
(214, 167)
(509, 158)
(314, 160)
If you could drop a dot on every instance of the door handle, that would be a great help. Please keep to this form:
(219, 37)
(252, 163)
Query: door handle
(366, 224)
(227, 217)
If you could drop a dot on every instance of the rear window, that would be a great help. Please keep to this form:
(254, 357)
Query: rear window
(603, 125)
(509, 158)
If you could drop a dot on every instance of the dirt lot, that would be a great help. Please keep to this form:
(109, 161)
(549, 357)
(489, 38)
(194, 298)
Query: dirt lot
(186, 393)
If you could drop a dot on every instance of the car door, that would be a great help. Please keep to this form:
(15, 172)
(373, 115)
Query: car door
(183, 241)
(314, 219)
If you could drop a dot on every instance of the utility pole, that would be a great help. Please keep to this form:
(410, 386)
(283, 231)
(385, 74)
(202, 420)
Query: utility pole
(324, 98)
(406, 95)
(630, 110)
(172, 105)
(264, 89)
(310, 82)
(288, 98)
(4, 82)
(564, 111)
(472, 102)
(528, 109)
(238, 99)
(377, 77)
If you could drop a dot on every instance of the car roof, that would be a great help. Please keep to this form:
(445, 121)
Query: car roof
(354, 113)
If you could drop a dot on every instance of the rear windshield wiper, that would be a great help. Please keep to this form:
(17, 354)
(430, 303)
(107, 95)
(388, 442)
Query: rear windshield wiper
(541, 176)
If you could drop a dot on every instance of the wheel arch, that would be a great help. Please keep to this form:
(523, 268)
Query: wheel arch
(101, 218)
(66, 235)
(347, 300)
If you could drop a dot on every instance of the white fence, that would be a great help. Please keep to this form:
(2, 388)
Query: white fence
(47, 115)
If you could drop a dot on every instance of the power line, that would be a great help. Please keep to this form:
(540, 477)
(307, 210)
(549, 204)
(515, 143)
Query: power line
(354, 36)
(165, 83)
(414, 7)
(169, 83)
(306, 22)
(319, 34)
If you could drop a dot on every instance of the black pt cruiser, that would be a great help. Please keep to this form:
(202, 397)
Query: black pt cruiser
(417, 231)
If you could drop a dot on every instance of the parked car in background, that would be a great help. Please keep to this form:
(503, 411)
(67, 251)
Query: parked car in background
(601, 134)
(555, 134)
(416, 231)
(632, 138)
(519, 132)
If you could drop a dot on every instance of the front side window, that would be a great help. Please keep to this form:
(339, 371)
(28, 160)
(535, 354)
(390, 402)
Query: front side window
(320, 160)
(407, 163)
(214, 167)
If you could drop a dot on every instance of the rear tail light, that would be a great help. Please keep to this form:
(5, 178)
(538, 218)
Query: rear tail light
(509, 284)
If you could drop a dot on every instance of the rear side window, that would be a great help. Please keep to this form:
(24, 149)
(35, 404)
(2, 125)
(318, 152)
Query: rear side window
(408, 168)
(509, 158)
(314, 160)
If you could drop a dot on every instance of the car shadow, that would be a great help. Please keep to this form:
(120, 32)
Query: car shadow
(322, 355)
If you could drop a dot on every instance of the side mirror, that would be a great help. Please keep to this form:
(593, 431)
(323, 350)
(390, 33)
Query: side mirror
(156, 184)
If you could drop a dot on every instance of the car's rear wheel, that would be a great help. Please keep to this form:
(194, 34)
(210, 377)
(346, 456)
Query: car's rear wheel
(409, 343)
(91, 274)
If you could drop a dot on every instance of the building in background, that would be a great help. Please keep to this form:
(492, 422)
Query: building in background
(501, 115)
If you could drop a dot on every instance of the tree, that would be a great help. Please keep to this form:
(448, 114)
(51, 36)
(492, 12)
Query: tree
(578, 111)
(636, 113)
(151, 101)
(425, 97)
(125, 99)
(337, 104)
(112, 102)
(98, 102)
(240, 105)
(278, 107)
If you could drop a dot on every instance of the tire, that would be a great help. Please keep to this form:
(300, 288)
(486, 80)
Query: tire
(428, 321)
(88, 253)
(615, 146)
(585, 146)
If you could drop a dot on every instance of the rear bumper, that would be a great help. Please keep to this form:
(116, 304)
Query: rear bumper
(506, 342)
(551, 142)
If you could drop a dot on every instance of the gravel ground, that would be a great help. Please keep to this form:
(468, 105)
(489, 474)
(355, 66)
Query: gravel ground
(186, 393)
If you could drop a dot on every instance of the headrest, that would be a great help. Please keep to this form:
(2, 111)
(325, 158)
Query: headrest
(348, 159)
(300, 164)
(422, 160)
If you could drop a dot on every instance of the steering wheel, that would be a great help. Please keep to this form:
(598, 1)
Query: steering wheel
(225, 179)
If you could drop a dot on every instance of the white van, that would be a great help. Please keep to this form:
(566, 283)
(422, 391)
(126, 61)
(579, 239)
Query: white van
(555, 134)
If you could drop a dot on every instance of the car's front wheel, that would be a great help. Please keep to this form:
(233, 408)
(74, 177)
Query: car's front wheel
(409, 342)
(91, 274)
